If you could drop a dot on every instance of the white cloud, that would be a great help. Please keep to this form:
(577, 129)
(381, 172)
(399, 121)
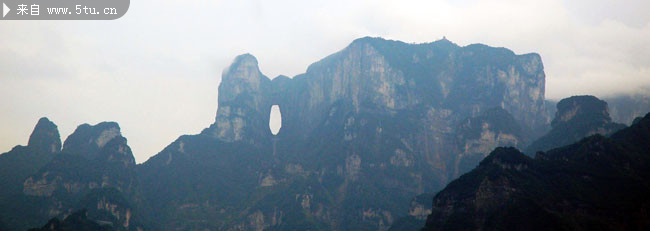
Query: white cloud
(156, 70)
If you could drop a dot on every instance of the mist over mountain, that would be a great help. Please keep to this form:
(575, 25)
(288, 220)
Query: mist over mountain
(625, 108)
(369, 134)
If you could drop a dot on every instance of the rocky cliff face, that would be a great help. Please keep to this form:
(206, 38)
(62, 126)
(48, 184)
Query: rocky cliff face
(597, 183)
(387, 76)
(22, 161)
(17, 212)
(45, 137)
(109, 205)
(576, 117)
(95, 170)
(244, 105)
(378, 121)
(479, 135)
(87, 140)
(93, 158)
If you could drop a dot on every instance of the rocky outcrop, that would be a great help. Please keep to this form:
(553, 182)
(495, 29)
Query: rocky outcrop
(378, 119)
(17, 211)
(596, 183)
(88, 140)
(22, 161)
(109, 206)
(576, 117)
(45, 137)
(244, 104)
(95, 166)
(478, 136)
(93, 157)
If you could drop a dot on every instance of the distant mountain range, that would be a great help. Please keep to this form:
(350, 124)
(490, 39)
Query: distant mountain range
(369, 134)
(625, 108)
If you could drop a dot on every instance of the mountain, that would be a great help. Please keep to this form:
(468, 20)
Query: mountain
(598, 183)
(92, 157)
(22, 161)
(576, 117)
(19, 163)
(622, 108)
(364, 131)
(93, 160)
(477, 136)
(95, 171)
(366, 134)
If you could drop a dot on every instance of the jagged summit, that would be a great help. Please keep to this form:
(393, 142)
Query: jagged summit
(22, 161)
(246, 67)
(378, 113)
(242, 76)
(87, 139)
(246, 60)
(45, 136)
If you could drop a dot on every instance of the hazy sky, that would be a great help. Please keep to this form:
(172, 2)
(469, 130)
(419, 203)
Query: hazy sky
(156, 70)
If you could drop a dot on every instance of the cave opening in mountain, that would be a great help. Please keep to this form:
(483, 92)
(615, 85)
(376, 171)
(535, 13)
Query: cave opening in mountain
(275, 119)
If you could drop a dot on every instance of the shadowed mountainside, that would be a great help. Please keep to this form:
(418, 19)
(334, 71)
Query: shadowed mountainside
(598, 183)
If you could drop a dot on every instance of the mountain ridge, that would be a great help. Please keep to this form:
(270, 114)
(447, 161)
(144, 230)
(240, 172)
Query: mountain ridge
(364, 131)
(598, 183)
(343, 136)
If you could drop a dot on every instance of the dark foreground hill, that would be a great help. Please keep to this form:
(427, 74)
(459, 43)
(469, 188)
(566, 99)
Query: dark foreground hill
(598, 183)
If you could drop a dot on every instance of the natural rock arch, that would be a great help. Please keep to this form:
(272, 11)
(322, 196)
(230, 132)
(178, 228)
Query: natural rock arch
(275, 119)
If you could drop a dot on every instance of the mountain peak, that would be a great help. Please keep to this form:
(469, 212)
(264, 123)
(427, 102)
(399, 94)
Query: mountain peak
(87, 139)
(583, 107)
(45, 136)
(243, 75)
(368, 39)
(445, 41)
(242, 96)
(242, 63)
(576, 117)
(246, 58)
